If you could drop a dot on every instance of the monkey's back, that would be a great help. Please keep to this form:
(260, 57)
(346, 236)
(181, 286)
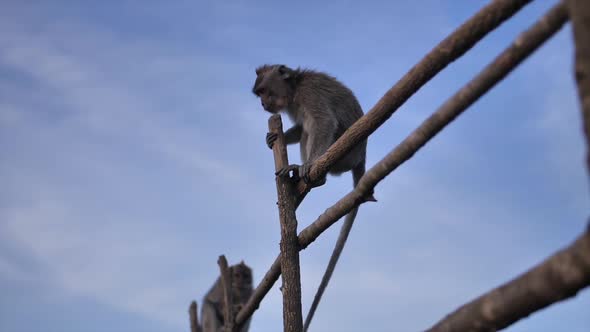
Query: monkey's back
(329, 98)
(330, 95)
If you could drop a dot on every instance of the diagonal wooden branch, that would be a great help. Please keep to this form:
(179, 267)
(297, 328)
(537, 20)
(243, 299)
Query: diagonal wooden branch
(289, 259)
(226, 282)
(269, 279)
(579, 11)
(521, 48)
(557, 278)
(447, 51)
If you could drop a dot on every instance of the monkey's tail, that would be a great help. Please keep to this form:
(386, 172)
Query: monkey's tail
(342, 237)
(357, 173)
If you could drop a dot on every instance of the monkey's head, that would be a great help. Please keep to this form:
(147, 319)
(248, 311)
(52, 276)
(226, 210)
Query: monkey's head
(241, 276)
(274, 86)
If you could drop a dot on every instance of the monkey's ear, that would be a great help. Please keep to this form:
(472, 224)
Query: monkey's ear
(261, 69)
(285, 72)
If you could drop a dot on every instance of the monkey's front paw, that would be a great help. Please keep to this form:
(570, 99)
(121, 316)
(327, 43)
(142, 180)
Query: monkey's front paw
(304, 172)
(270, 139)
(285, 172)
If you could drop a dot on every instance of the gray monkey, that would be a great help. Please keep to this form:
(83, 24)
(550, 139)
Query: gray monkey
(322, 108)
(212, 318)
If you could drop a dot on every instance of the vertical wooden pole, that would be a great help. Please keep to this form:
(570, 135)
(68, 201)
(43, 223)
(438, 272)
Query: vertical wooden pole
(287, 201)
(226, 276)
(579, 11)
(194, 318)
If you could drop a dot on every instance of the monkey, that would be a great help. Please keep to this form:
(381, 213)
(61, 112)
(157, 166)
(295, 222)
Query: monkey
(321, 108)
(212, 317)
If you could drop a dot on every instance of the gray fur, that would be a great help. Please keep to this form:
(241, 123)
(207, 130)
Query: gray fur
(319, 105)
(212, 319)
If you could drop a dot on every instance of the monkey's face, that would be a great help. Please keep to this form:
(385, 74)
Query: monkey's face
(273, 88)
(272, 102)
(241, 276)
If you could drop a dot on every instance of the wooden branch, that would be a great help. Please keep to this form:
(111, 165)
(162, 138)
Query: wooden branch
(287, 197)
(447, 51)
(522, 47)
(193, 317)
(557, 278)
(579, 11)
(228, 323)
(269, 279)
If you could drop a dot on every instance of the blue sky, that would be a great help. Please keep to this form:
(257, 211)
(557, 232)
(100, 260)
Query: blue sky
(132, 155)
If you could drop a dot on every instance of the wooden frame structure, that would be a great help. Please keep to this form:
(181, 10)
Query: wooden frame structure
(558, 277)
